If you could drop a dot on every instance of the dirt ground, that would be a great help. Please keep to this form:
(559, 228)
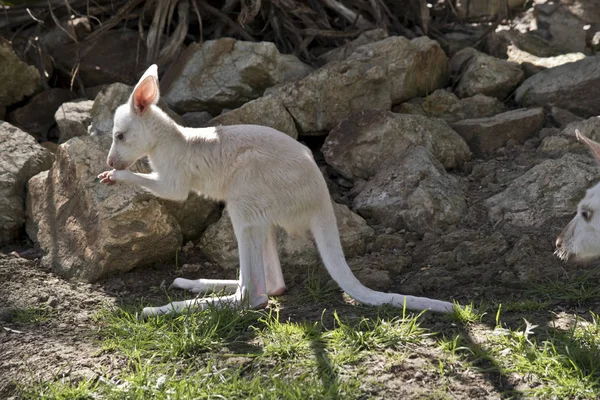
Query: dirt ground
(65, 340)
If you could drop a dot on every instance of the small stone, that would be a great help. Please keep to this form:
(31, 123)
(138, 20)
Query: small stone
(374, 279)
(6, 314)
(388, 242)
(52, 301)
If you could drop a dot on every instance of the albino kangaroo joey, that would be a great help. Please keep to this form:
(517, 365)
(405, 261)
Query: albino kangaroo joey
(580, 239)
(266, 178)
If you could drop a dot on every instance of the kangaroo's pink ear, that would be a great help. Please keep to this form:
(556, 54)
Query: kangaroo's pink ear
(146, 91)
(593, 145)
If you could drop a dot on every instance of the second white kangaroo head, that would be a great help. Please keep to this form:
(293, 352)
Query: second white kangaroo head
(131, 138)
(580, 239)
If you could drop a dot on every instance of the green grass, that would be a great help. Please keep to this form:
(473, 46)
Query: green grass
(467, 314)
(317, 291)
(33, 315)
(551, 363)
(579, 290)
(348, 353)
(230, 353)
(175, 336)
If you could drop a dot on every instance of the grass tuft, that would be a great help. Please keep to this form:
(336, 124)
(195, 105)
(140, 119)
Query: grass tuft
(467, 314)
(317, 291)
(32, 315)
(579, 290)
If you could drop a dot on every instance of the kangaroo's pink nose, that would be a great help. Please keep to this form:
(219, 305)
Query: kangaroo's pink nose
(559, 241)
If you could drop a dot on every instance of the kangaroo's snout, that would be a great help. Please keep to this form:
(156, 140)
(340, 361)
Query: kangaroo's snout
(115, 163)
(559, 241)
(562, 248)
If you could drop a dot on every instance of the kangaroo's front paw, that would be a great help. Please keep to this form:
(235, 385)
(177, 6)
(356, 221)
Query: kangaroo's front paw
(107, 177)
(114, 176)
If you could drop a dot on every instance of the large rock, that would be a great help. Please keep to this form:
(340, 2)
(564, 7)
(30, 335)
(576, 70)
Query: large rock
(267, 110)
(193, 215)
(37, 116)
(415, 193)
(116, 57)
(588, 127)
(478, 73)
(218, 74)
(573, 86)
(547, 191)
(486, 135)
(73, 119)
(434, 105)
(375, 77)
(498, 44)
(586, 10)
(89, 230)
(364, 144)
(109, 99)
(198, 119)
(561, 117)
(563, 29)
(342, 52)
(566, 140)
(447, 106)
(460, 37)
(17, 79)
(292, 68)
(528, 49)
(21, 159)
(297, 253)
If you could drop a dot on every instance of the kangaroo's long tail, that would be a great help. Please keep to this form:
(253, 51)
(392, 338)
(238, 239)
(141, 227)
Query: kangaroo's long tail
(325, 231)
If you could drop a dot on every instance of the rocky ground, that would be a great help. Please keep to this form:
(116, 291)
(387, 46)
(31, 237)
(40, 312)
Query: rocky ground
(478, 261)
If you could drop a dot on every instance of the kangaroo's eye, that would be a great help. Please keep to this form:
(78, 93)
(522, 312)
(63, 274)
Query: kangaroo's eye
(586, 215)
(120, 136)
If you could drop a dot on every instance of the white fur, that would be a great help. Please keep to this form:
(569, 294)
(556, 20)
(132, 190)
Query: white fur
(267, 179)
(580, 239)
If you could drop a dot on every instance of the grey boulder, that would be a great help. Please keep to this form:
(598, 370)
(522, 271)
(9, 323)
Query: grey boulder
(21, 159)
(415, 193)
(88, 230)
(359, 147)
(547, 191)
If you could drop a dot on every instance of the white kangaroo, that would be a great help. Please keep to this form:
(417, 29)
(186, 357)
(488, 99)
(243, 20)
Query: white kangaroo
(580, 239)
(266, 178)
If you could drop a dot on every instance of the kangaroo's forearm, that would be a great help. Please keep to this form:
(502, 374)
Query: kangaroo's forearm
(164, 189)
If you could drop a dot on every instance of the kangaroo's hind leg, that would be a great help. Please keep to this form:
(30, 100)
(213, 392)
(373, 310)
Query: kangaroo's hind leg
(273, 273)
(252, 289)
(251, 237)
